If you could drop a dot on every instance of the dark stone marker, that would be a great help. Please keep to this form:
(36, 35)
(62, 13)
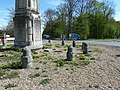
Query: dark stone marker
(26, 58)
(70, 53)
(74, 44)
(63, 43)
(3, 42)
(49, 41)
(85, 48)
(82, 45)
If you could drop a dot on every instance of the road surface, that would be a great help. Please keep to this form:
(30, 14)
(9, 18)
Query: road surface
(92, 42)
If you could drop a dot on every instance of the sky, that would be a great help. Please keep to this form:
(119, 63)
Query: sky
(44, 4)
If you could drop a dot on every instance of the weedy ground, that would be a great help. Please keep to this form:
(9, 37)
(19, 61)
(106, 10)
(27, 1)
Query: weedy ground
(51, 70)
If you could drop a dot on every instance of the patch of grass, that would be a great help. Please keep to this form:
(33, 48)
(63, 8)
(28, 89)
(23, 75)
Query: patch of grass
(98, 50)
(12, 65)
(34, 75)
(16, 65)
(68, 44)
(50, 57)
(65, 49)
(44, 62)
(88, 55)
(58, 45)
(1, 46)
(45, 81)
(38, 55)
(84, 62)
(78, 46)
(9, 45)
(34, 51)
(2, 72)
(82, 57)
(47, 46)
(60, 63)
(10, 85)
(92, 58)
(13, 74)
(54, 49)
(11, 56)
(78, 63)
(10, 52)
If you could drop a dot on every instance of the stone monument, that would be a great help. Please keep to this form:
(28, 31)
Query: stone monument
(27, 24)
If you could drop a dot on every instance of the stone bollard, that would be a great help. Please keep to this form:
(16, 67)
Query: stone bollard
(49, 41)
(63, 43)
(74, 44)
(82, 45)
(4, 40)
(26, 58)
(85, 48)
(70, 53)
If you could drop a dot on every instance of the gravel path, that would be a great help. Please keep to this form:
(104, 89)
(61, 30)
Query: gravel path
(102, 74)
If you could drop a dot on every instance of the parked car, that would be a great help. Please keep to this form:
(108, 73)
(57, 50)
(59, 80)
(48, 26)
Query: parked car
(45, 36)
(74, 36)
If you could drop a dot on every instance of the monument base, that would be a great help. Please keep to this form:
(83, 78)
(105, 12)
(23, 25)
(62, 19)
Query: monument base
(31, 47)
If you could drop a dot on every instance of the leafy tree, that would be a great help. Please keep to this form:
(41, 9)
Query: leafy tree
(62, 18)
(82, 26)
(89, 18)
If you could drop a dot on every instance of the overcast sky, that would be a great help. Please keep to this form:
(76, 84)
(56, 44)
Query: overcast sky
(44, 4)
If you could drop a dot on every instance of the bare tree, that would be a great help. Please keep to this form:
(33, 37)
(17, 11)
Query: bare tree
(71, 8)
(10, 26)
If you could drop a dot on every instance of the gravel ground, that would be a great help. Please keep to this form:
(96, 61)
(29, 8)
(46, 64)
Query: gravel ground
(103, 73)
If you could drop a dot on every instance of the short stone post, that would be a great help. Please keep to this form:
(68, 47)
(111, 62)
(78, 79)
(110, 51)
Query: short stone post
(49, 41)
(63, 43)
(26, 58)
(85, 48)
(70, 53)
(4, 39)
(82, 45)
(74, 43)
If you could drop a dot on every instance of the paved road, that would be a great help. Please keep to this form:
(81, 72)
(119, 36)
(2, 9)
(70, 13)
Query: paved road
(107, 43)
(93, 42)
